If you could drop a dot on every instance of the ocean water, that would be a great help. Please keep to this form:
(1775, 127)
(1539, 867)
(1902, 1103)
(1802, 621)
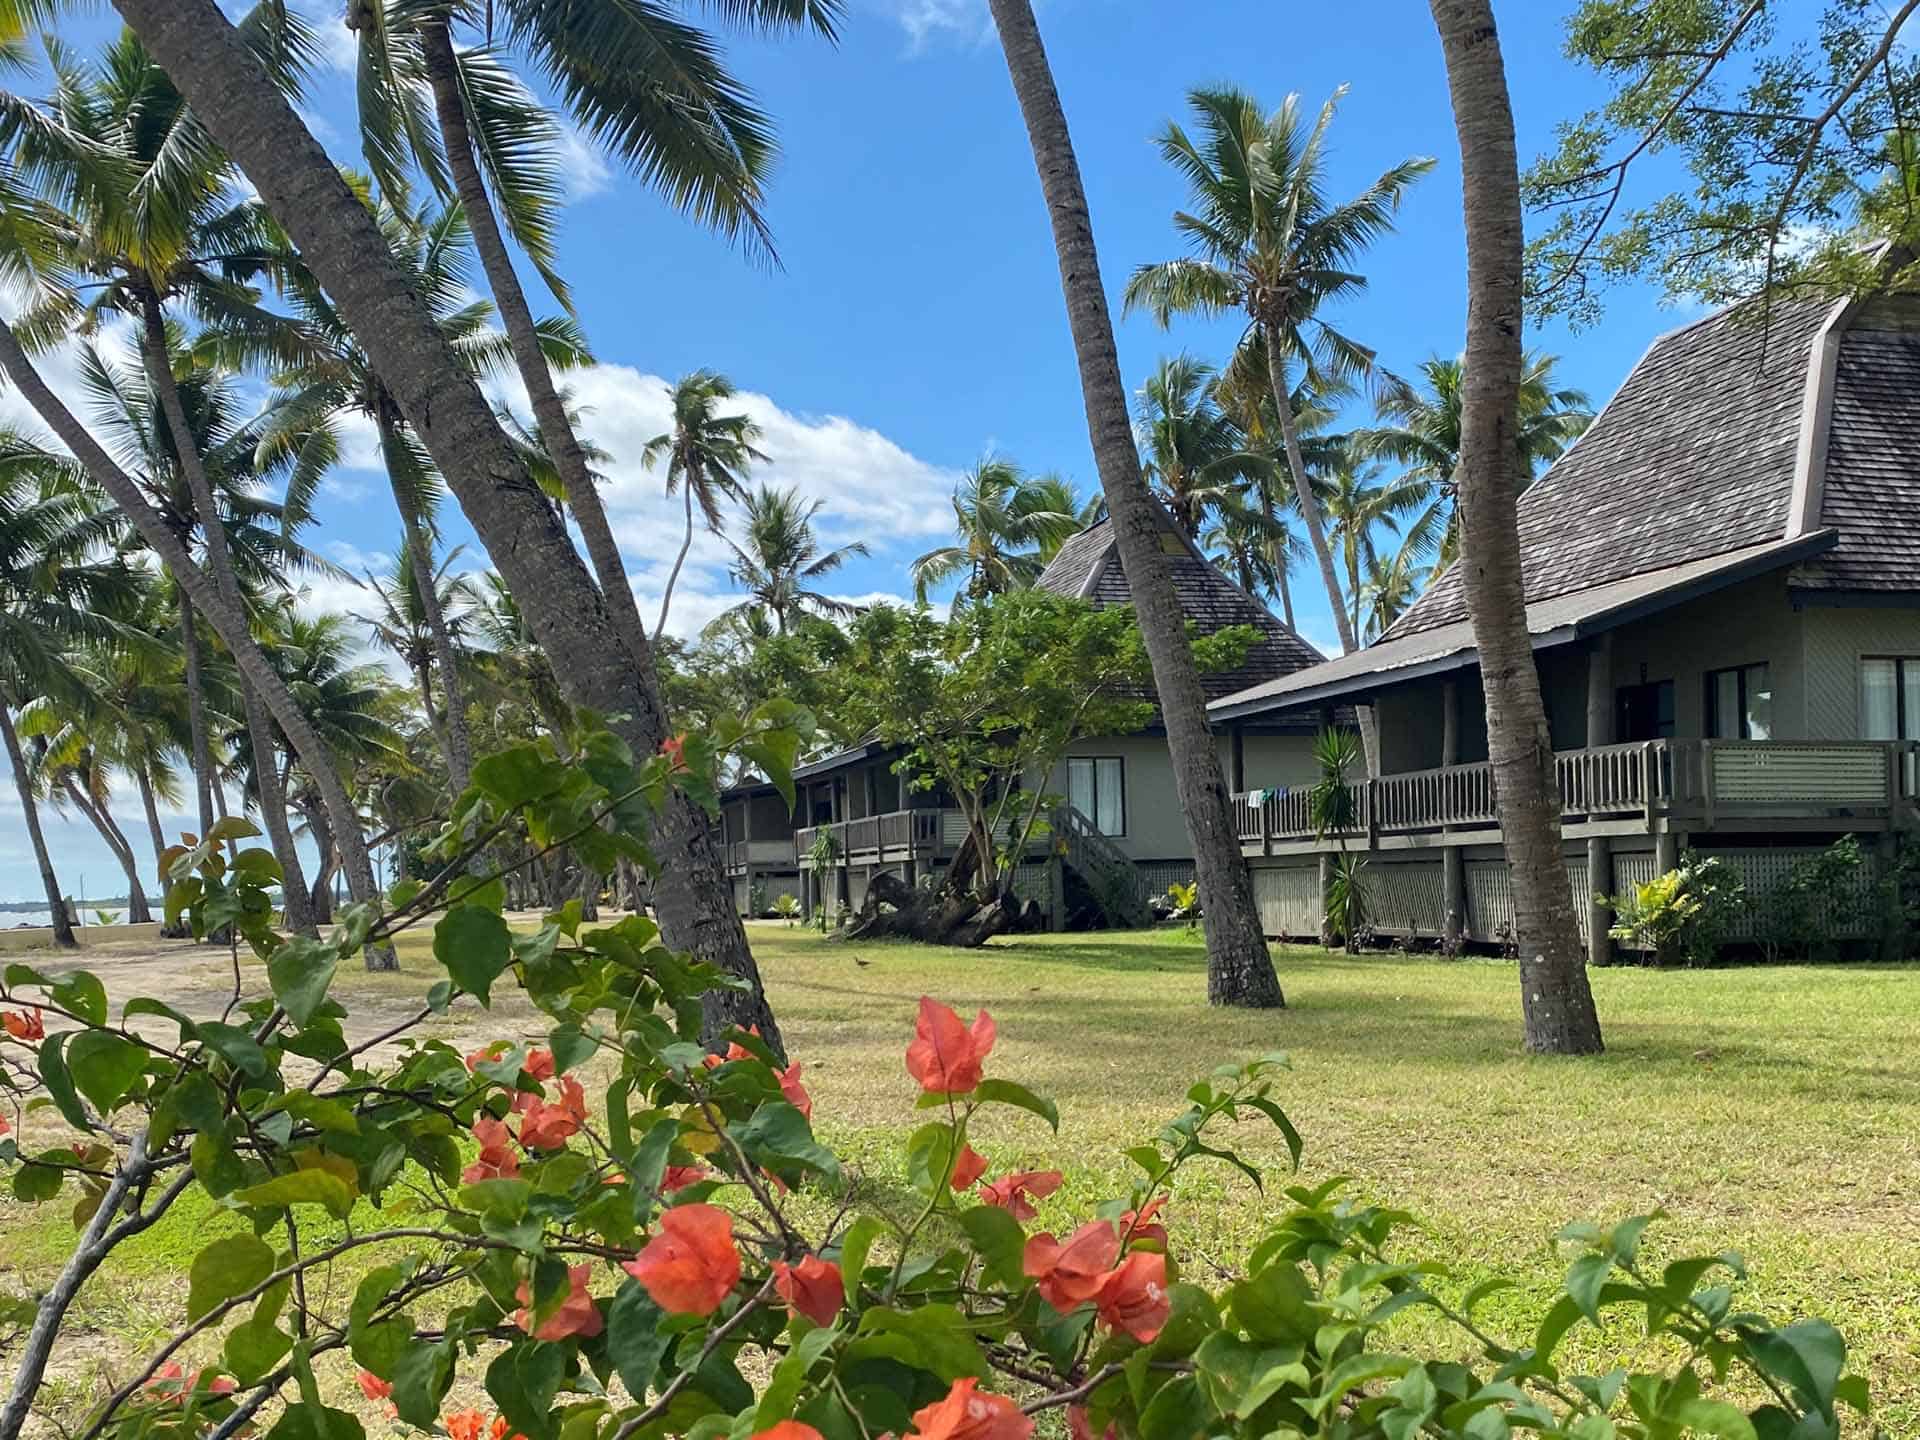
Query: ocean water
(14, 919)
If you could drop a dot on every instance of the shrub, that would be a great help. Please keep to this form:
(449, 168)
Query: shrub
(786, 907)
(616, 1272)
(1183, 903)
(1683, 916)
(1819, 900)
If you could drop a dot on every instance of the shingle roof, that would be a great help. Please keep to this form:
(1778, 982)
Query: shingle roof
(1872, 485)
(1694, 456)
(1088, 565)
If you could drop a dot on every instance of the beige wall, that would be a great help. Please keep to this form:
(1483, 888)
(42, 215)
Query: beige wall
(1156, 826)
(1835, 640)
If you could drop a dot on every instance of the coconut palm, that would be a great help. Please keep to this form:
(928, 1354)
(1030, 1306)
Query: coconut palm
(707, 455)
(1420, 429)
(1192, 452)
(778, 560)
(421, 618)
(1053, 492)
(1239, 966)
(1391, 584)
(1256, 551)
(1268, 242)
(1008, 524)
(1359, 503)
(59, 585)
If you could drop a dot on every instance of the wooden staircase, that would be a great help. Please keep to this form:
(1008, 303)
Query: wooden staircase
(1114, 879)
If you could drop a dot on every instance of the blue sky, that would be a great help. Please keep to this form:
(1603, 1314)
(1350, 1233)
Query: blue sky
(915, 321)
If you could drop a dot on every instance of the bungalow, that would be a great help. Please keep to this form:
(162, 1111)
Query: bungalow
(1722, 583)
(1121, 828)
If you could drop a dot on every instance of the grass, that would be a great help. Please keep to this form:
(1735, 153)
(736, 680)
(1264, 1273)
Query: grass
(1771, 1111)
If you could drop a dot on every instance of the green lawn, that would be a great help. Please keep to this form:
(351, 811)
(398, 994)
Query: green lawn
(1771, 1111)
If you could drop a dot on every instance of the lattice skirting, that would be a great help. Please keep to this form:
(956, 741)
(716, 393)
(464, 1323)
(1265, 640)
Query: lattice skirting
(1849, 915)
(1160, 874)
(1407, 898)
(1289, 900)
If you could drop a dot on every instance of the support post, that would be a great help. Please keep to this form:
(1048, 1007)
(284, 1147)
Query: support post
(1238, 751)
(1326, 884)
(1453, 870)
(1599, 848)
(1666, 851)
(1056, 892)
(746, 845)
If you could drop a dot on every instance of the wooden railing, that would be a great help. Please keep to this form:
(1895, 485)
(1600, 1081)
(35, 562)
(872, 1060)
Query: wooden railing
(1114, 879)
(1690, 779)
(895, 835)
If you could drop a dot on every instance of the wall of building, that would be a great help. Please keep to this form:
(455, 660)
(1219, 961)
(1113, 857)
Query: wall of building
(771, 820)
(1835, 640)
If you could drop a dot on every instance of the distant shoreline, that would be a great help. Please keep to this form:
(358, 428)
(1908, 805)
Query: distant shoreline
(112, 902)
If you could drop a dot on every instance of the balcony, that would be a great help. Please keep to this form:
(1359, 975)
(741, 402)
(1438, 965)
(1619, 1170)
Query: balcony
(1642, 788)
(743, 855)
(885, 839)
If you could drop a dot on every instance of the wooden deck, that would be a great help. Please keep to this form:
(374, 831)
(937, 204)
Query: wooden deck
(1652, 787)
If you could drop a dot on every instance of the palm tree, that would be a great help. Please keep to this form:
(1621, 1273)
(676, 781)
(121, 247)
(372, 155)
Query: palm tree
(1391, 584)
(602, 660)
(1239, 969)
(1192, 451)
(1359, 502)
(1256, 551)
(417, 614)
(1006, 522)
(781, 559)
(1053, 491)
(1556, 1000)
(707, 457)
(59, 586)
(1269, 243)
(173, 234)
(1420, 429)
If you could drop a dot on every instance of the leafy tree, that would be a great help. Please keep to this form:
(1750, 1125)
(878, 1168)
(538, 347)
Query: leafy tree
(1268, 242)
(778, 560)
(1191, 451)
(707, 457)
(1239, 967)
(1420, 429)
(1009, 525)
(1556, 999)
(1793, 126)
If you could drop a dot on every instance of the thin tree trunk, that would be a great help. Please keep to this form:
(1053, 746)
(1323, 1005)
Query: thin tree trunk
(455, 745)
(1555, 998)
(137, 911)
(1302, 487)
(230, 624)
(159, 838)
(1286, 592)
(1239, 969)
(322, 894)
(603, 660)
(423, 679)
(673, 577)
(266, 772)
(56, 907)
(201, 761)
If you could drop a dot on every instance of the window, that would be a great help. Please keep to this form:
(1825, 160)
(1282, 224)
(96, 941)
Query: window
(1740, 703)
(1097, 788)
(1644, 712)
(1889, 697)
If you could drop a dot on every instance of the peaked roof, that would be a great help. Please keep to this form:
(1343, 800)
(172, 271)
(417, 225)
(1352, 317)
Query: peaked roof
(1732, 444)
(1088, 566)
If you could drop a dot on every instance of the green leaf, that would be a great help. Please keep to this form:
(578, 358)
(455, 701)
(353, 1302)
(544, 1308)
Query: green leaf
(1275, 1306)
(300, 972)
(378, 1345)
(1005, 1092)
(999, 1241)
(519, 774)
(420, 1382)
(930, 1156)
(83, 994)
(475, 946)
(301, 1187)
(571, 1047)
(1176, 1412)
(104, 1066)
(228, 1267)
(1715, 1417)
(779, 1137)
(254, 1348)
(856, 1244)
(936, 1338)
(231, 827)
(783, 1390)
(522, 1381)
(34, 1183)
(635, 1339)
(1808, 1355)
(59, 1083)
(1585, 1277)
(649, 1167)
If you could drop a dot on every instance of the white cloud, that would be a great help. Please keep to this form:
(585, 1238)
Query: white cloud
(925, 21)
(586, 169)
(339, 46)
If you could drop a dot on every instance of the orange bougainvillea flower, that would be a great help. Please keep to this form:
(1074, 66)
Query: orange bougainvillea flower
(373, 1387)
(577, 1314)
(679, 1177)
(5, 1128)
(546, 1126)
(477, 1058)
(1016, 1193)
(1069, 1275)
(497, 1158)
(466, 1425)
(788, 1430)
(812, 1288)
(692, 1264)
(169, 1381)
(1080, 1428)
(947, 1057)
(1133, 1298)
(968, 1166)
(795, 1092)
(24, 1026)
(540, 1064)
(674, 747)
(1141, 1227)
(968, 1414)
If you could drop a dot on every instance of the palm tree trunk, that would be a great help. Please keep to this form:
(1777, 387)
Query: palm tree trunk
(266, 772)
(1556, 1001)
(1286, 591)
(228, 623)
(201, 761)
(593, 637)
(456, 747)
(56, 907)
(1239, 969)
(1302, 488)
(157, 835)
(322, 833)
(102, 822)
(673, 578)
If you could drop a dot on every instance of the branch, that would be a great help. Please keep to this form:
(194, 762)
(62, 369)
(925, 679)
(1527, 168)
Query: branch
(714, 1338)
(1078, 1393)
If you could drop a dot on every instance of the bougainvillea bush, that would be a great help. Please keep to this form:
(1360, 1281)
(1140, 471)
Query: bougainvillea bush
(629, 1232)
